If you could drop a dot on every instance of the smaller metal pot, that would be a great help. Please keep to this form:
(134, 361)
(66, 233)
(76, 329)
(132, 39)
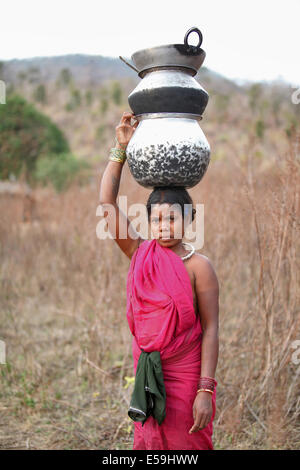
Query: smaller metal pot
(186, 56)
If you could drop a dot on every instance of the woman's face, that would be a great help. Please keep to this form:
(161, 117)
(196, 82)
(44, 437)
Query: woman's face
(166, 223)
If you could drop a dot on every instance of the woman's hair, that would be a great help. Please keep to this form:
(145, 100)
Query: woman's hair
(171, 195)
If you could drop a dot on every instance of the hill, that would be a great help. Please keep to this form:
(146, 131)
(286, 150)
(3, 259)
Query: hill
(85, 95)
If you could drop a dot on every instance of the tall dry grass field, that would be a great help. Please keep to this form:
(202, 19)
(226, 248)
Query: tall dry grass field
(67, 380)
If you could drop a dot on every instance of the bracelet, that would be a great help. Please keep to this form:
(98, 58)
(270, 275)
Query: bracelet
(208, 379)
(112, 159)
(117, 155)
(208, 383)
(205, 390)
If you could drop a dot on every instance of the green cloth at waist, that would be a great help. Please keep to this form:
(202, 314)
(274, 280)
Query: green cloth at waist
(149, 394)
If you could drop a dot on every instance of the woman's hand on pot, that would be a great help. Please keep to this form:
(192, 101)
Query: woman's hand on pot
(124, 131)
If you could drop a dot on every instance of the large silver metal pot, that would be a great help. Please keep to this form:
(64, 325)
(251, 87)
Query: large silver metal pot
(168, 149)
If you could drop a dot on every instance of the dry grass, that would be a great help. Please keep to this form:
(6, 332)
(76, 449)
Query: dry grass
(63, 312)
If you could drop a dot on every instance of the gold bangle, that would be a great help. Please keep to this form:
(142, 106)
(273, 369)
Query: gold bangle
(205, 390)
(119, 152)
(117, 155)
(116, 160)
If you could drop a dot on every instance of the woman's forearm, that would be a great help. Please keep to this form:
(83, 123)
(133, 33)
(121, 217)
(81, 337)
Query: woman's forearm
(209, 353)
(110, 182)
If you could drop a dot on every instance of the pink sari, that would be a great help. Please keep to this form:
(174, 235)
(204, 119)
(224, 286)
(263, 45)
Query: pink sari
(161, 317)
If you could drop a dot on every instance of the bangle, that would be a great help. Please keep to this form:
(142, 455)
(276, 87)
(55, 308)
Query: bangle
(205, 390)
(207, 382)
(112, 159)
(117, 155)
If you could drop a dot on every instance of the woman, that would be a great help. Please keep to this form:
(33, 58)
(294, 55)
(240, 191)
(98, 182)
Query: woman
(172, 307)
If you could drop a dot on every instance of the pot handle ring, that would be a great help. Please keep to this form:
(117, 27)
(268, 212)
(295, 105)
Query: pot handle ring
(191, 30)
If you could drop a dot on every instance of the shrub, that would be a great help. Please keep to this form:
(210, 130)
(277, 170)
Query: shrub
(60, 170)
(25, 136)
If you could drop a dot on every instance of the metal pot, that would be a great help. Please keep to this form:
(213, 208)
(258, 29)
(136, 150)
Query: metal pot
(168, 149)
(185, 56)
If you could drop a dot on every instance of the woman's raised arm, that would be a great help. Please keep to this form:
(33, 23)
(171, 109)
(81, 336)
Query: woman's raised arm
(116, 219)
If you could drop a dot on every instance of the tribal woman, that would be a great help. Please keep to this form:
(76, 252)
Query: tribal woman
(172, 307)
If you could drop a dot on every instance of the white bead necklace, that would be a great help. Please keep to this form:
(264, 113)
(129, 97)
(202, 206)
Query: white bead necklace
(190, 253)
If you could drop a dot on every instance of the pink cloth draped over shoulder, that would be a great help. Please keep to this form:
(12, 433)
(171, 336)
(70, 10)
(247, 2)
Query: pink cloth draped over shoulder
(161, 317)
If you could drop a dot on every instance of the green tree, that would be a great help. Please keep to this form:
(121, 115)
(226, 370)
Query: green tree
(25, 136)
(65, 77)
(39, 94)
(260, 128)
(75, 100)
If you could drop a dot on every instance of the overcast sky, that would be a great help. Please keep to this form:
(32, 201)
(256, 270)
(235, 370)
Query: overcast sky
(243, 39)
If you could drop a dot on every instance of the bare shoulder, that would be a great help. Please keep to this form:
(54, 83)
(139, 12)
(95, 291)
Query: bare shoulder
(205, 274)
(202, 261)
